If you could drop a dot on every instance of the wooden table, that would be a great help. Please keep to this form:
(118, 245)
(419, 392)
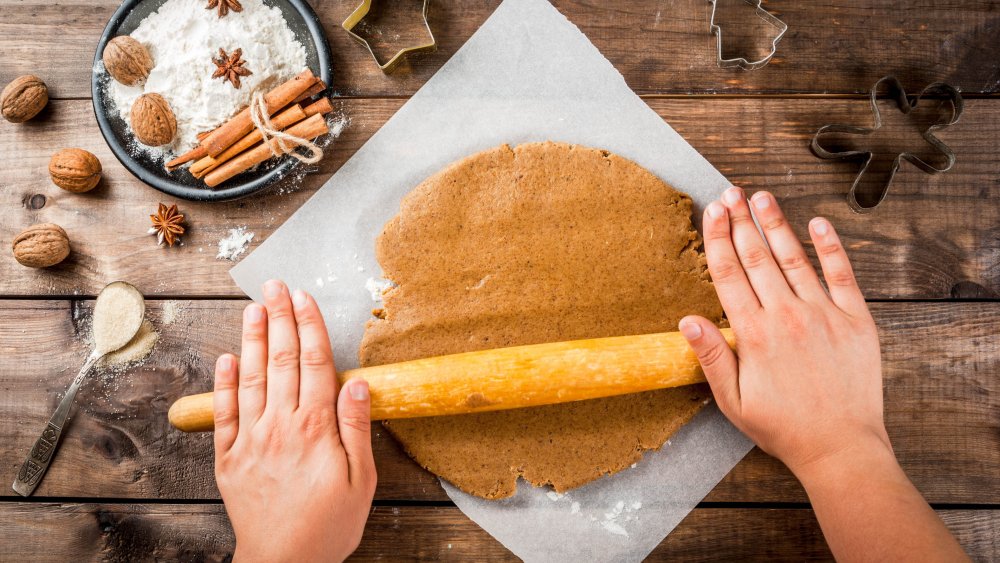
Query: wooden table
(126, 486)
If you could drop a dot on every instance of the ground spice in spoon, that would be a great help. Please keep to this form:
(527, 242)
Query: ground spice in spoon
(119, 326)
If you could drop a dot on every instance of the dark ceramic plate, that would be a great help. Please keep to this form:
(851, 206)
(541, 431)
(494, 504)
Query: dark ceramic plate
(180, 183)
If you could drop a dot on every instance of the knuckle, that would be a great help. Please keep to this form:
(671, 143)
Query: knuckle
(840, 278)
(279, 313)
(285, 359)
(754, 257)
(355, 421)
(712, 355)
(774, 223)
(739, 218)
(315, 358)
(726, 270)
(318, 422)
(252, 379)
(226, 416)
(829, 249)
(796, 261)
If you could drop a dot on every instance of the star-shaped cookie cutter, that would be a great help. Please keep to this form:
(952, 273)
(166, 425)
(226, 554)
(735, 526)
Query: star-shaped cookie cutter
(359, 14)
(742, 62)
(905, 104)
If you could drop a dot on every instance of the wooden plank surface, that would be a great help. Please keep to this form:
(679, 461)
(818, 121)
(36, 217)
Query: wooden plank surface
(661, 47)
(128, 532)
(942, 371)
(940, 232)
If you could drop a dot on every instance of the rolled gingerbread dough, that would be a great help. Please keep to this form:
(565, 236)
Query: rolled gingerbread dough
(539, 243)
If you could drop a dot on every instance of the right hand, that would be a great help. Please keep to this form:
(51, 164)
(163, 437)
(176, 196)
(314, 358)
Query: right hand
(806, 381)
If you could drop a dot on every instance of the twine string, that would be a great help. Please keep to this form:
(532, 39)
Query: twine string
(262, 120)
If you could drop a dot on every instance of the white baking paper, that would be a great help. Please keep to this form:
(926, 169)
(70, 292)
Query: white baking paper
(526, 75)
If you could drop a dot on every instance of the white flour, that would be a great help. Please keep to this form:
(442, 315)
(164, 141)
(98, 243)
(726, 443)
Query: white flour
(183, 37)
(235, 244)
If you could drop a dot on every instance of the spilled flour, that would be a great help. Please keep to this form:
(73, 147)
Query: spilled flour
(235, 244)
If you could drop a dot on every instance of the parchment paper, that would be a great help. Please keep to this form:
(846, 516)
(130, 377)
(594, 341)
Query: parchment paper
(527, 75)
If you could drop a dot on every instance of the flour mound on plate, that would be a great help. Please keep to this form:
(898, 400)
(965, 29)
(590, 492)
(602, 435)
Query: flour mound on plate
(539, 243)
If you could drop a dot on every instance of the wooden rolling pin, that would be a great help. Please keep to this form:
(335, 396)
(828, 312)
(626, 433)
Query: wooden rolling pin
(507, 378)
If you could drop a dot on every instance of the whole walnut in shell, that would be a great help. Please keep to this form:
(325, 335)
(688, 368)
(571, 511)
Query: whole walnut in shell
(23, 98)
(152, 120)
(75, 170)
(41, 246)
(127, 60)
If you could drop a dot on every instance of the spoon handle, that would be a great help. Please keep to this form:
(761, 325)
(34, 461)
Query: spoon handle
(37, 462)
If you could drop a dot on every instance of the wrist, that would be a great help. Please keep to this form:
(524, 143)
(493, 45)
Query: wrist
(865, 457)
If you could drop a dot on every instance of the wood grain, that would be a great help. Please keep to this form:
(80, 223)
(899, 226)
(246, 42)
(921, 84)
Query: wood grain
(840, 46)
(935, 236)
(129, 532)
(942, 406)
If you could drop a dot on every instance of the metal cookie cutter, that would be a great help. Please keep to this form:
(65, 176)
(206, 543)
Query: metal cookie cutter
(359, 14)
(905, 104)
(740, 61)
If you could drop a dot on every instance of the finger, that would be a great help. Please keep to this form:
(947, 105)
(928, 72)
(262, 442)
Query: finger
(282, 348)
(836, 268)
(225, 403)
(253, 366)
(764, 275)
(354, 420)
(317, 380)
(717, 360)
(731, 283)
(786, 249)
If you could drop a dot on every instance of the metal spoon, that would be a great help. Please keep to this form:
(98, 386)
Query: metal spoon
(37, 462)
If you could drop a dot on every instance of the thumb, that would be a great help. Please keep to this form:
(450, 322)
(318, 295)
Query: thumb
(717, 360)
(354, 420)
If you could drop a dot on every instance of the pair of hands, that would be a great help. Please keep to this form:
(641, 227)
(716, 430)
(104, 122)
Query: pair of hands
(293, 454)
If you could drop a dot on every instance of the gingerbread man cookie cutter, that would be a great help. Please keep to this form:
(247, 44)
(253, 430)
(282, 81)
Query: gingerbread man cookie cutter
(742, 62)
(359, 14)
(906, 105)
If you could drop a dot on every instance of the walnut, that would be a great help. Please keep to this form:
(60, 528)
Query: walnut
(75, 170)
(152, 120)
(127, 60)
(41, 246)
(23, 98)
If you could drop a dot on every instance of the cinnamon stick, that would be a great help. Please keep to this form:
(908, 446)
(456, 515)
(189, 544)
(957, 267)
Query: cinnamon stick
(287, 118)
(322, 105)
(284, 119)
(192, 154)
(237, 127)
(316, 88)
(309, 129)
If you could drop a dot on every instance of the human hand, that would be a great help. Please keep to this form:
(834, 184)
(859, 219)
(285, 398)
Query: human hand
(293, 457)
(806, 380)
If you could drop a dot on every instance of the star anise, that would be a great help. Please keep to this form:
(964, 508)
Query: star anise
(224, 6)
(230, 66)
(167, 225)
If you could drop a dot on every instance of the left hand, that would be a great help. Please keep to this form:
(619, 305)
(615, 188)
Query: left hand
(293, 456)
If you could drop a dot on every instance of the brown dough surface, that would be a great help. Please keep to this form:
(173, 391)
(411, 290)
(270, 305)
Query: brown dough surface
(540, 243)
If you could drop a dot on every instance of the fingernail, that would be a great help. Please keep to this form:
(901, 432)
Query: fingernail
(732, 195)
(715, 210)
(691, 330)
(359, 390)
(821, 226)
(761, 200)
(254, 313)
(299, 298)
(272, 289)
(225, 363)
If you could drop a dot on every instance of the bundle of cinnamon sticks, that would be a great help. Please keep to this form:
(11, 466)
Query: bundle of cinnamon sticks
(236, 145)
